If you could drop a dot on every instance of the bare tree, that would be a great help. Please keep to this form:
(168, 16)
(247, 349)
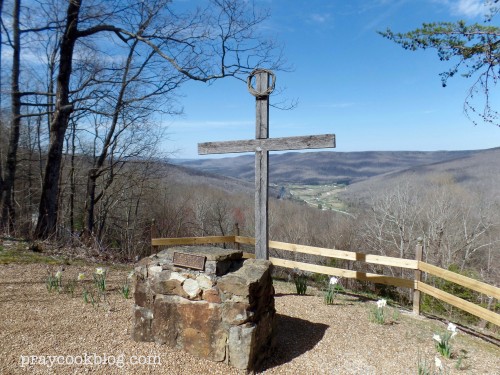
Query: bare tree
(2, 131)
(393, 223)
(142, 89)
(205, 45)
(457, 224)
(8, 211)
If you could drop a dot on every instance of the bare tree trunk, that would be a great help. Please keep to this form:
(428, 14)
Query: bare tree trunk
(1, 125)
(91, 199)
(39, 151)
(47, 212)
(31, 149)
(95, 172)
(72, 181)
(8, 211)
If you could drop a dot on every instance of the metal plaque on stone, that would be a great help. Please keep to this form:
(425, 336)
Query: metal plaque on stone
(196, 262)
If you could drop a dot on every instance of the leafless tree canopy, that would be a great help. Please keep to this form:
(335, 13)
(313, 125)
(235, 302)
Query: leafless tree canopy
(92, 78)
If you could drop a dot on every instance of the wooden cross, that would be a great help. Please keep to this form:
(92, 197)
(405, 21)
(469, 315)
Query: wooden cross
(261, 145)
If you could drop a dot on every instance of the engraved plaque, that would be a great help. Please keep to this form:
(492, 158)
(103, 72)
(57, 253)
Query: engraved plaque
(196, 262)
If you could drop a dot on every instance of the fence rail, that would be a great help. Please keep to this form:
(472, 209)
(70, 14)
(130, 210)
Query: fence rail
(416, 284)
(456, 278)
(192, 240)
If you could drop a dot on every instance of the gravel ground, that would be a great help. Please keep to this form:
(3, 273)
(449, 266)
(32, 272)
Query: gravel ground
(312, 338)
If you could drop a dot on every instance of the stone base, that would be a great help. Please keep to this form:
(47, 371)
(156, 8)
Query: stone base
(222, 313)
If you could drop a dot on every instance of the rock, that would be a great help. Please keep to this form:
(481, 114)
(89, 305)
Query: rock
(211, 267)
(203, 334)
(154, 270)
(195, 326)
(249, 276)
(240, 349)
(144, 261)
(143, 294)
(165, 324)
(254, 270)
(211, 295)
(177, 276)
(233, 284)
(169, 287)
(236, 313)
(141, 271)
(192, 288)
(142, 330)
(204, 282)
(264, 332)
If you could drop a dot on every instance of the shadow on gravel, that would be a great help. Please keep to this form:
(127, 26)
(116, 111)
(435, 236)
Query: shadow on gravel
(294, 337)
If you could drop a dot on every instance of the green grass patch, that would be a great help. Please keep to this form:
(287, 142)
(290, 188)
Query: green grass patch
(19, 255)
(323, 197)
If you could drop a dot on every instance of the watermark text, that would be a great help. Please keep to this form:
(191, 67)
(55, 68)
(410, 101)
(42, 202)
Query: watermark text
(89, 359)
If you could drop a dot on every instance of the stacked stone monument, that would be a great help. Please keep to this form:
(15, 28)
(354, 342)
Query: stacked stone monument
(207, 301)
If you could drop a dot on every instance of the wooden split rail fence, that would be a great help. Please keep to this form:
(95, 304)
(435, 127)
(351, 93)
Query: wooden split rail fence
(417, 265)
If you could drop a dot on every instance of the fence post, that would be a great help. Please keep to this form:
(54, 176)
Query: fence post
(237, 233)
(152, 231)
(418, 277)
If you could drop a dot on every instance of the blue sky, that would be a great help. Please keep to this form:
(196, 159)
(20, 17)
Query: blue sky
(348, 80)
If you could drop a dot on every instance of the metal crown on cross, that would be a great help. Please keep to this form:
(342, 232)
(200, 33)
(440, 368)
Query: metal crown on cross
(261, 145)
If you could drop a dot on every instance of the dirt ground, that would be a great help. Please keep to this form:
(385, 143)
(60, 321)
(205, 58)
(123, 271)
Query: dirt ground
(56, 333)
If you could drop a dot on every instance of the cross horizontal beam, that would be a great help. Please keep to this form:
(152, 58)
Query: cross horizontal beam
(268, 144)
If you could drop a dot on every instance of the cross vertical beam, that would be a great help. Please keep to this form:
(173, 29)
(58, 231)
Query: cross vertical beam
(262, 169)
(261, 145)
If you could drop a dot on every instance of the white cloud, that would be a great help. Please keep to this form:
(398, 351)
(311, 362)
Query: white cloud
(319, 18)
(468, 8)
(384, 10)
(471, 8)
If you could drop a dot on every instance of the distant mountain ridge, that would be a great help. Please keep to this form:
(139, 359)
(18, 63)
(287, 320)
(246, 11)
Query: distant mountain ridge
(479, 171)
(191, 176)
(335, 167)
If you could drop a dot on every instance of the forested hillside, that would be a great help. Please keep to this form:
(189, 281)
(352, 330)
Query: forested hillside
(326, 167)
(479, 172)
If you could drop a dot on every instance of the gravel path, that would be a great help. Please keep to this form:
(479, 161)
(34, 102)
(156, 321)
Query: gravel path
(312, 338)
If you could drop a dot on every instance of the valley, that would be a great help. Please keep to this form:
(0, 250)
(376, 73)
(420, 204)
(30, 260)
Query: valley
(323, 197)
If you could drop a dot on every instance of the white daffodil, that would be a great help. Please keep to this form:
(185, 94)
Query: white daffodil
(333, 280)
(438, 363)
(453, 329)
(130, 275)
(81, 276)
(437, 338)
(58, 274)
(381, 303)
(99, 271)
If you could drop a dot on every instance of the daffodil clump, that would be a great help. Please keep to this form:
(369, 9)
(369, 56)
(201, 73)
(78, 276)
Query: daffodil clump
(54, 282)
(100, 279)
(88, 295)
(442, 341)
(92, 293)
(70, 287)
(331, 290)
(300, 280)
(379, 313)
(126, 286)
